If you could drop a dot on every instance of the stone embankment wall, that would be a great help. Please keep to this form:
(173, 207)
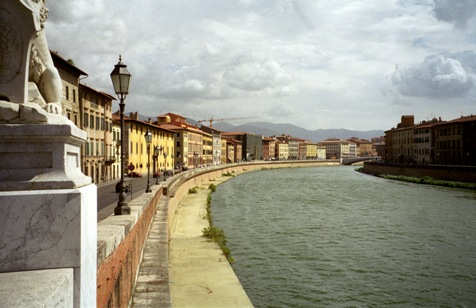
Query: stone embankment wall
(447, 173)
(121, 239)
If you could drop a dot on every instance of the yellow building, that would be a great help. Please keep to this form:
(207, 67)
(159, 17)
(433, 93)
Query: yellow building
(282, 150)
(223, 143)
(138, 155)
(188, 140)
(207, 154)
(311, 150)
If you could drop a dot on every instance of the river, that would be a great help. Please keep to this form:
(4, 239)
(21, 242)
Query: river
(330, 236)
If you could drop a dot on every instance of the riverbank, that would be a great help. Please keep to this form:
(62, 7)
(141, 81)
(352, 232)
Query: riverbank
(465, 174)
(199, 273)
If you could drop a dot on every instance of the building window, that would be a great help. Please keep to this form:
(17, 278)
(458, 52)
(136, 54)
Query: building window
(91, 121)
(76, 119)
(67, 92)
(74, 95)
(86, 118)
(98, 125)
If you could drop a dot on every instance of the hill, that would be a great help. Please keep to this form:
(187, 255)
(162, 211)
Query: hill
(269, 129)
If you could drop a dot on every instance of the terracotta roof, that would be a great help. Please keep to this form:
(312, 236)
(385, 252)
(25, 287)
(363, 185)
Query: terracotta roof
(462, 119)
(67, 63)
(96, 91)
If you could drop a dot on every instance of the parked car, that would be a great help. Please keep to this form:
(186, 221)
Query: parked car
(134, 174)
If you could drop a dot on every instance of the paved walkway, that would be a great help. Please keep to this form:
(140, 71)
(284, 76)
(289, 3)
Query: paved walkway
(199, 275)
(152, 287)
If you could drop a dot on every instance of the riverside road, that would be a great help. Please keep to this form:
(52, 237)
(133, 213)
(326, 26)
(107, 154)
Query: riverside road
(108, 198)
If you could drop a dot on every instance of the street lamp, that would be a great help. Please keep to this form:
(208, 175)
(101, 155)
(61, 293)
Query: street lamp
(157, 150)
(165, 166)
(121, 78)
(148, 140)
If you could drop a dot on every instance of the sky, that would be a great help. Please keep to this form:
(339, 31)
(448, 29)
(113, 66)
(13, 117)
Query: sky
(317, 64)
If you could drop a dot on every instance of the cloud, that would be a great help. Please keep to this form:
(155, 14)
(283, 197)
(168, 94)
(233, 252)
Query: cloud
(286, 59)
(253, 74)
(457, 12)
(438, 76)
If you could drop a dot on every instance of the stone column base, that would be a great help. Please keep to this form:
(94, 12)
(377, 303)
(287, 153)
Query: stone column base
(52, 229)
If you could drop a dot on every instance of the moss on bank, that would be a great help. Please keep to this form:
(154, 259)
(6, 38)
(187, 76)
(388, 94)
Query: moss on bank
(214, 233)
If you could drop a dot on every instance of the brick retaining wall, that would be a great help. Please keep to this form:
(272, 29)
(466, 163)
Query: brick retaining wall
(117, 272)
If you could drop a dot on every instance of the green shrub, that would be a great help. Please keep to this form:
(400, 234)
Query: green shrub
(193, 190)
(212, 187)
(218, 236)
(214, 233)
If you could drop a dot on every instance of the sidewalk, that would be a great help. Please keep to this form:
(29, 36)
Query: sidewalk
(199, 274)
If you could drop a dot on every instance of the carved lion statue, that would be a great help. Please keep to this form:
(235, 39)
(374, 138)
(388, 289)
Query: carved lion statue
(44, 82)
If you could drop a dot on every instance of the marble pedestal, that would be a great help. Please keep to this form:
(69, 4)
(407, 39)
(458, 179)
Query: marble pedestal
(52, 229)
(41, 156)
(48, 208)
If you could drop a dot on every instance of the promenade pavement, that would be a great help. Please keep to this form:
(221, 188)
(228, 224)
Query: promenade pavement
(199, 274)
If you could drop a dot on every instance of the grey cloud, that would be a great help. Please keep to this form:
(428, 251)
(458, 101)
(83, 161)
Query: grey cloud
(457, 12)
(256, 75)
(438, 76)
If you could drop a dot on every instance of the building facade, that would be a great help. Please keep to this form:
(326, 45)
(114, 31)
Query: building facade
(432, 142)
(98, 153)
(70, 78)
(338, 148)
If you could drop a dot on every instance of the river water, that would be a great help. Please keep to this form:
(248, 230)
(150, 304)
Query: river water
(330, 236)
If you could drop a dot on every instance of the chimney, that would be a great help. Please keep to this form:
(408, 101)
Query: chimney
(134, 115)
(407, 120)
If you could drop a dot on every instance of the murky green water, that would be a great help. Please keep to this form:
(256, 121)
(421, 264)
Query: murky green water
(330, 236)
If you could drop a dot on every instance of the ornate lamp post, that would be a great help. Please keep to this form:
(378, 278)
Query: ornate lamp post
(165, 166)
(157, 150)
(121, 78)
(148, 140)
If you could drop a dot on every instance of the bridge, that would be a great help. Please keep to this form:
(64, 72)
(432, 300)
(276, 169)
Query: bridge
(353, 160)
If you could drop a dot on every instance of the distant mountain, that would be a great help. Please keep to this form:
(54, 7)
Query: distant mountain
(269, 129)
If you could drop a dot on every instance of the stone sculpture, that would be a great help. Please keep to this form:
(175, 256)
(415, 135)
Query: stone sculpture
(30, 106)
(48, 221)
(30, 85)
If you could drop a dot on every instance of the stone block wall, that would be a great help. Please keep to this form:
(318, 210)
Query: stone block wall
(447, 173)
